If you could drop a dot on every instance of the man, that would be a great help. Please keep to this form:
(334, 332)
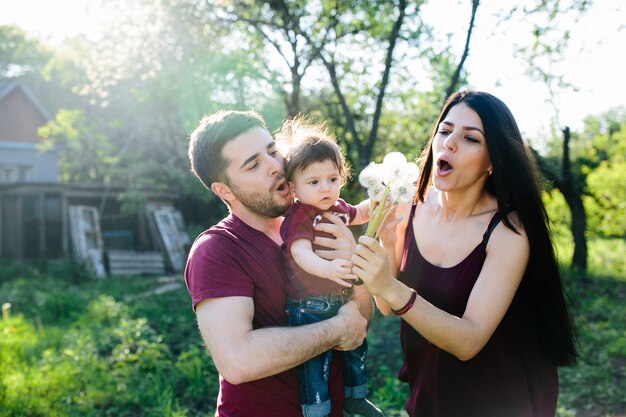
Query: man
(236, 276)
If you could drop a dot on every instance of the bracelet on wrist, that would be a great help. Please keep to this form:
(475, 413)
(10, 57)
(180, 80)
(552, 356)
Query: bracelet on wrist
(407, 306)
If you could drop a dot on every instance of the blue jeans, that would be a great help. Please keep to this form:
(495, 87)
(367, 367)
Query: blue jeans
(313, 373)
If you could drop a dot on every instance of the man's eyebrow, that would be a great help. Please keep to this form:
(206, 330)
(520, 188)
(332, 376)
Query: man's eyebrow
(464, 127)
(256, 155)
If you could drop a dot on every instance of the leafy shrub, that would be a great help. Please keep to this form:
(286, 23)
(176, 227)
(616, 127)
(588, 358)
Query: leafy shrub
(82, 350)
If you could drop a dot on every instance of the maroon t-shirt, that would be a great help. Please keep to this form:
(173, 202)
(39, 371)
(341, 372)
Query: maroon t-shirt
(299, 222)
(232, 259)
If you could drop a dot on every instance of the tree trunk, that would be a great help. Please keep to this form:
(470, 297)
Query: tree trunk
(452, 87)
(573, 198)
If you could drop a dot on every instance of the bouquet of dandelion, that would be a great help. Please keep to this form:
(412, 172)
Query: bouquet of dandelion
(389, 183)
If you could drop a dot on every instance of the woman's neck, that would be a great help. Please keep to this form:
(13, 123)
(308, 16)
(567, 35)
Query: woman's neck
(455, 205)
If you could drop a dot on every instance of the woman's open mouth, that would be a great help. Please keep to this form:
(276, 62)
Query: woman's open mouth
(443, 167)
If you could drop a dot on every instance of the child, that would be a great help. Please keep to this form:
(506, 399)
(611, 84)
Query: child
(317, 288)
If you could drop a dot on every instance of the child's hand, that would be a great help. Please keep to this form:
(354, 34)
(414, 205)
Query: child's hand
(340, 270)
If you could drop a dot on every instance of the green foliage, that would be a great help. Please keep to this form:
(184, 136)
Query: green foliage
(102, 348)
(19, 53)
(606, 181)
(595, 386)
(96, 356)
(598, 167)
(88, 153)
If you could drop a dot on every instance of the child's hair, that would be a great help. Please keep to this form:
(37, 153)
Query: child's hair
(304, 143)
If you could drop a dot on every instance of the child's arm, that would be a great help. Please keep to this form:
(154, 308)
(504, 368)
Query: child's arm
(362, 213)
(337, 270)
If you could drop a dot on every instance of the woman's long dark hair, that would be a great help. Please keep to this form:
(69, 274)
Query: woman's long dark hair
(515, 185)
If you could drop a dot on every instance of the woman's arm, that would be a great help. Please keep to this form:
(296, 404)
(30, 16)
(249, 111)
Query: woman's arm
(493, 292)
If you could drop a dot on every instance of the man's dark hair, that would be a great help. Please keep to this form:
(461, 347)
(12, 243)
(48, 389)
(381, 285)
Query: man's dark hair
(208, 139)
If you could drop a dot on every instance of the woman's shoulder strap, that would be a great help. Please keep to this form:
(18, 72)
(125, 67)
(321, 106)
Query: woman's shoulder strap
(412, 210)
(495, 219)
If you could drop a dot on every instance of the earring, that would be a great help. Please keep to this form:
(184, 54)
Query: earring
(490, 171)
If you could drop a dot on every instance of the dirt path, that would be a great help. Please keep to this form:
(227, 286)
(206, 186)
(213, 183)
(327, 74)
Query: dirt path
(166, 283)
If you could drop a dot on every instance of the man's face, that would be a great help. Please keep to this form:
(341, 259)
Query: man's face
(256, 175)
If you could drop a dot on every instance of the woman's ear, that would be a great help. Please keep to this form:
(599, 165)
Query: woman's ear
(222, 190)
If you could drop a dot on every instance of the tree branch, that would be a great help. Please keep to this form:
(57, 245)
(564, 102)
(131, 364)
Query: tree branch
(393, 37)
(546, 170)
(457, 73)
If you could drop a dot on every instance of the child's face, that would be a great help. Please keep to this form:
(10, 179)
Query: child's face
(318, 185)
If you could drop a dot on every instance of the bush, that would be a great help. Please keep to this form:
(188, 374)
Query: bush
(87, 350)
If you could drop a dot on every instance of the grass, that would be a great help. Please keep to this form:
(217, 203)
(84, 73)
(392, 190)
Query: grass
(74, 346)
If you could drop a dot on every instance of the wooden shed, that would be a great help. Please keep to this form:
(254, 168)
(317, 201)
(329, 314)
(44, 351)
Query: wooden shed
(41, 218)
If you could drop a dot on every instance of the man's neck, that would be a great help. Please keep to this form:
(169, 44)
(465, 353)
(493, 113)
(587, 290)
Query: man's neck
(269, 226)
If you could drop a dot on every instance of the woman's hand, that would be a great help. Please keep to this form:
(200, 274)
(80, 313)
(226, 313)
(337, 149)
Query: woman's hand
(339, 247)
(387, 233)
(369, 262)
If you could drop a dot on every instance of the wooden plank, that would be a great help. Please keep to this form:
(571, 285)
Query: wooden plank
(117, 255)
(135, 263)
(170, 238)
(86, 238)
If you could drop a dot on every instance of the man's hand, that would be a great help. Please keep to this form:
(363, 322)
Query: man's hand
(341, 246)
(353, 324)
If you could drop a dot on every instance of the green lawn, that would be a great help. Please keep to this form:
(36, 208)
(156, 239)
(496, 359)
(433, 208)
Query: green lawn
(74, 346)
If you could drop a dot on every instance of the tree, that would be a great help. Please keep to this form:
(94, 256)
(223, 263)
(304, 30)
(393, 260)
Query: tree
(277, 36)
(604, 158)
(455, 80)
(19, 53)
(572, 192)
(587, 172)
(550, 37)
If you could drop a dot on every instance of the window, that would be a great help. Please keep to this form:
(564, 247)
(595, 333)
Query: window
(6, 174)
(15, 173)
(24, 173)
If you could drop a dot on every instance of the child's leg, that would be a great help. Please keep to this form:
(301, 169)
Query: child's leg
(314, 373)
(314, 396)
(355, 383)
(354, 371)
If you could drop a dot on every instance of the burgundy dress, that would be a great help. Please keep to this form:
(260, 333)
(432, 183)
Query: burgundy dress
(508, 377)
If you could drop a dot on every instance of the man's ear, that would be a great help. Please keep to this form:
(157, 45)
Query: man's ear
(222, 190)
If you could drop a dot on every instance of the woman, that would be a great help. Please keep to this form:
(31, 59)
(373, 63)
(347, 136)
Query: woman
(485, 322)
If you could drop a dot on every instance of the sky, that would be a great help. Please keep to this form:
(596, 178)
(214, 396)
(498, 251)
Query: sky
(594, 62)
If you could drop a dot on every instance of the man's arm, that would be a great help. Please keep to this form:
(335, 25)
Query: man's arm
(243, 354)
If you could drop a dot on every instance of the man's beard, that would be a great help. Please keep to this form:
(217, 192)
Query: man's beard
(261, 203)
